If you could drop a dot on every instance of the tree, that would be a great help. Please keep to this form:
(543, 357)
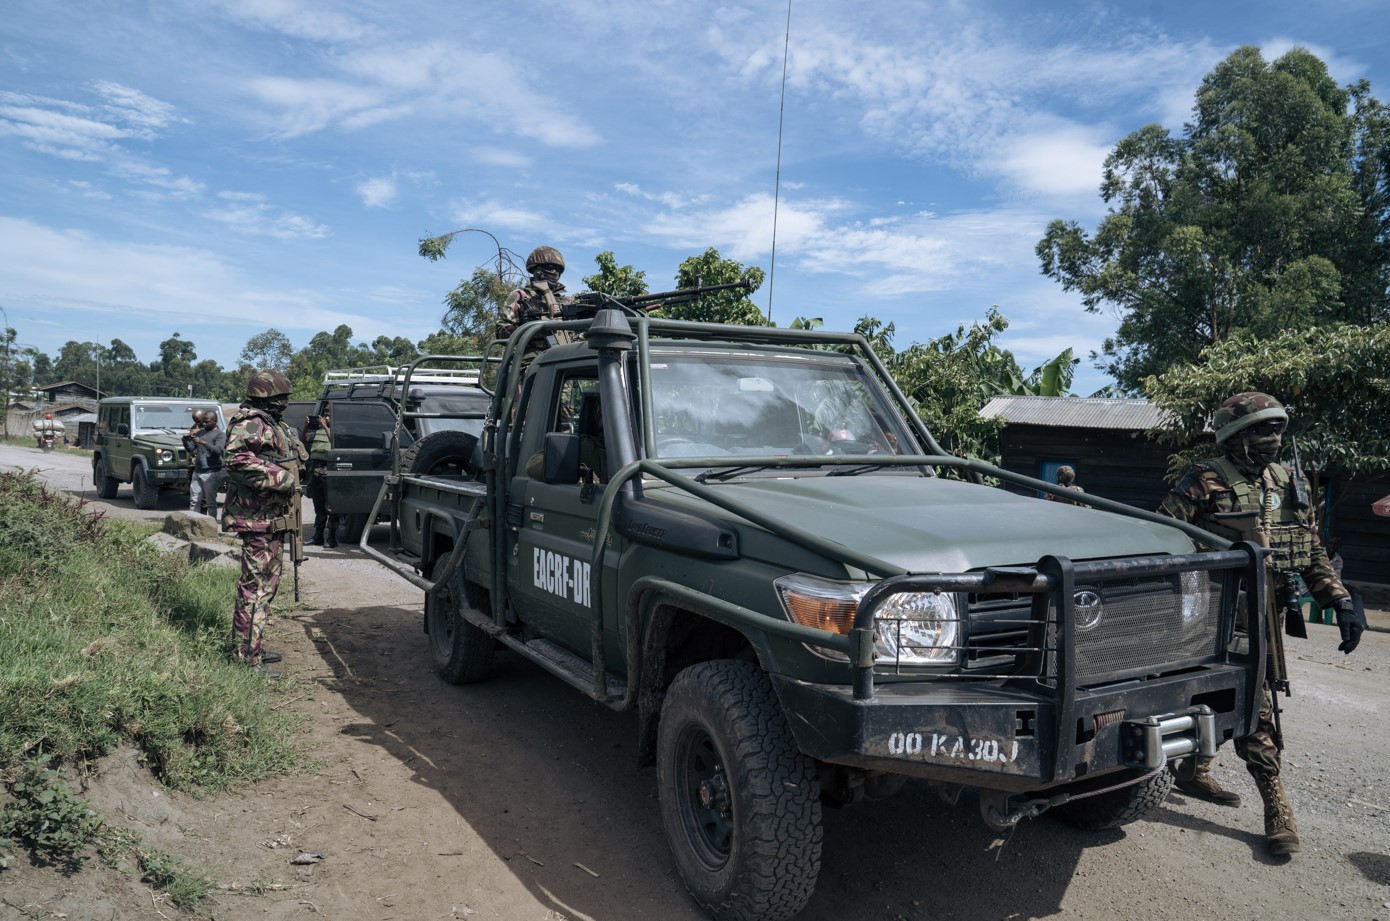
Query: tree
(270, 349)
(1268, 214)
(325, 352)
(1337, 379)
(709, 268)
(473, 308)
(611, 278)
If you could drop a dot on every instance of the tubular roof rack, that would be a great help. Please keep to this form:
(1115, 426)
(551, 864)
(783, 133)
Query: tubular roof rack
(346, 377)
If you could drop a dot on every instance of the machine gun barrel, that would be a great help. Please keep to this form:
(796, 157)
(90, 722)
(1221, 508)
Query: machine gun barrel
(589, 303)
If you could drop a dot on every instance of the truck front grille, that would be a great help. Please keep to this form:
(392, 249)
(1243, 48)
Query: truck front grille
(1125, 628)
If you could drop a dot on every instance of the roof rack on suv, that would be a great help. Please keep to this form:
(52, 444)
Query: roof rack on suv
(346, 377)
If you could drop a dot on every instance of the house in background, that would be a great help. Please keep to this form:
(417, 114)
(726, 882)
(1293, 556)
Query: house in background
(1107, 442)
(70, 393)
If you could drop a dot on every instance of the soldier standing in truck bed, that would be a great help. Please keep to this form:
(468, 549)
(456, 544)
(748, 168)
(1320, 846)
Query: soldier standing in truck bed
(542, 298)
(1249, 478)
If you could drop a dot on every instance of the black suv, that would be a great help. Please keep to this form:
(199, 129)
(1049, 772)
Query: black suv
(365, 401)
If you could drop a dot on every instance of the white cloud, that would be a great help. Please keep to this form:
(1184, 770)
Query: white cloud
(324, 22)
(495, 215)
(379, 192)
(250, 214)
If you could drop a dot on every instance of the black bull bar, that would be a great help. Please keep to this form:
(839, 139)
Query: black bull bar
(1051, 727)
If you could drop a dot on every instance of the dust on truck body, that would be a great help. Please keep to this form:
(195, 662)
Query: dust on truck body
(806, 601)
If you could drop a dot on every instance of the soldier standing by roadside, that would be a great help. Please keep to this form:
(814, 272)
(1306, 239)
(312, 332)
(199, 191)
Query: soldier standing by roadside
(318, 438)
(1249, 478)
(206, 443)
(263, 460)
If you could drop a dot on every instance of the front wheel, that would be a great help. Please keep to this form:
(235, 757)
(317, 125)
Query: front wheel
(106, 484)
(739, 801)
(1118, 807)
(461, 652)
(146, 493)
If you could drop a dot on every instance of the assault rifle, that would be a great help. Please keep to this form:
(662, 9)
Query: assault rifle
(296, 516)
(1282, 588)
(1300, 482)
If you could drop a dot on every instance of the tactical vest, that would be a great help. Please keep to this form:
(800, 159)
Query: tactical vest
(320, 445)
(245, 500)
(1288, 529)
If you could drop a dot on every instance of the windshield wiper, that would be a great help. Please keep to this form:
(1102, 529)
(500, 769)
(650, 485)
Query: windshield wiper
(855, 471)
(725, 473)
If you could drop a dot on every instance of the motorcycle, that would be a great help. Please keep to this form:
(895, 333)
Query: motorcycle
(48, 441)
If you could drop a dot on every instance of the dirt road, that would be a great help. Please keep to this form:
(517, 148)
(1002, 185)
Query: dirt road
(518, 799)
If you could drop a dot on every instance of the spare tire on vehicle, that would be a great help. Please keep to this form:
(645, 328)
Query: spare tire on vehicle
(446, 453)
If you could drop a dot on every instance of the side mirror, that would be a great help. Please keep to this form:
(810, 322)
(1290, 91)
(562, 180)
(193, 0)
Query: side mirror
(561, 458)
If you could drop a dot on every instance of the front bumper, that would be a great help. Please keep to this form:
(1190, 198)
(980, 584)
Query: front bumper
(1006, 739)
(165, 476)
(1060, 713)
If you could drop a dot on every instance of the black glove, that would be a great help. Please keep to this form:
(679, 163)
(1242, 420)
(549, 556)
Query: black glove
(1351, 622)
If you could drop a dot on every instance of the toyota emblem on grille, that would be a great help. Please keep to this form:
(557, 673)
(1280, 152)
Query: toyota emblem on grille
(1088, 608)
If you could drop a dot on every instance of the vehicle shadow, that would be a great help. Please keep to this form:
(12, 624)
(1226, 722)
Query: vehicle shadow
(548, 779)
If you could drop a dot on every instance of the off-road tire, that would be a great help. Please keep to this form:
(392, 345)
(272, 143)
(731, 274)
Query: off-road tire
(442, 454)
(106, 484)
(350, 527)
(1118, 807)
(460, 651)
(739, 801)
(146, 493)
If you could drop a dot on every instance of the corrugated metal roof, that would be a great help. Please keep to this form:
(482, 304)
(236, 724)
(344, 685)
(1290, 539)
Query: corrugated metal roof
(1074, 412)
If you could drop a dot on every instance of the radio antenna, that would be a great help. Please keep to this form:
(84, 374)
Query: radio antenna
(777, 185)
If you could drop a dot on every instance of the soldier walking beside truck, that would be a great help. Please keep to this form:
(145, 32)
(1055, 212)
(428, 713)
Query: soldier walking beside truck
(263, 458)
(1243, 495)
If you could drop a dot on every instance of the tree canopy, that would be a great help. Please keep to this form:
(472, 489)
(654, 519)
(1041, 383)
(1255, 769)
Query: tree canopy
(710, 268)
(1268, 214)
(1336, 378)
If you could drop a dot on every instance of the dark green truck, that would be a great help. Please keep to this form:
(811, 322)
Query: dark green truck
(748, 538)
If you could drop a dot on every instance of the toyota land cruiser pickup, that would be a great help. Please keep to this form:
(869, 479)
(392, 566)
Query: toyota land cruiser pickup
(747, 537)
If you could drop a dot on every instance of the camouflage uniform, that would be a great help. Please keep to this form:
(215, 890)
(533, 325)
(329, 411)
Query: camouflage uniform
(542, 298)
(263, 461)
(319, 441)
(1249, 478)
(1066, 477)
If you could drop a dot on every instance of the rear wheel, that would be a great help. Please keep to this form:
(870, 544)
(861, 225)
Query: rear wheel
(146, 493)
(1118, 807)
(739, 801)
(106, 484)
(461, 652)
(350, 527)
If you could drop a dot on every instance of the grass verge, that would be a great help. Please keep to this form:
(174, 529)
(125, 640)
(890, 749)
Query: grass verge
(105, 641)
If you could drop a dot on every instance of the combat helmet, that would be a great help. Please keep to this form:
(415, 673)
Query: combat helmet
(267, 385)
(545, 255)
(1244, 410)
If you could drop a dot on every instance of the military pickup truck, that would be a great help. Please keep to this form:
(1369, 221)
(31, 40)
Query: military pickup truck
(748, 538)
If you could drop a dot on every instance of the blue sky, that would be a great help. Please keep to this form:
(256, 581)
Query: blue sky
(219, 168)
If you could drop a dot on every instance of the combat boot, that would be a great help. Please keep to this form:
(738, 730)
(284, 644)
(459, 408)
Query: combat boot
(1194, 778)
(317, 539)
(1281, 834)
(331, 540)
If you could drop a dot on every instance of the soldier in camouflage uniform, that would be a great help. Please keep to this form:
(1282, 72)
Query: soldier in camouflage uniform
(263, 459)
(1249, 478)
(543, 297)
(1066, 477)
(318, 438)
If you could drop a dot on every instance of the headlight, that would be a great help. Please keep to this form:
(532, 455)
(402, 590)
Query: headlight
(166, 456)
(910, 628)
(1196, 597)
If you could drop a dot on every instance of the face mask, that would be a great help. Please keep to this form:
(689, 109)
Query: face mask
(1263, 448)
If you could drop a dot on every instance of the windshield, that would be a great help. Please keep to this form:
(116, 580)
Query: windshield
(157, 417)
(717, 404)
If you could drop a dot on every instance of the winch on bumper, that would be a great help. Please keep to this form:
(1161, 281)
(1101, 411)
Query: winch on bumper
(1078, 703)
